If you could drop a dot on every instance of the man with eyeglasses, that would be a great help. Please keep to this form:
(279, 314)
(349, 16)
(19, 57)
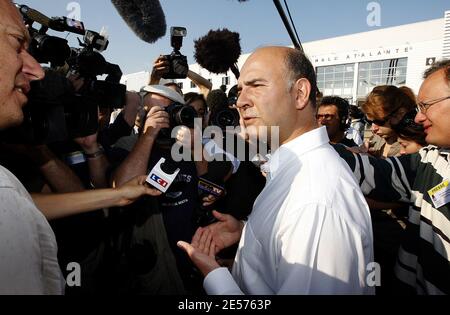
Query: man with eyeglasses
(423, 181)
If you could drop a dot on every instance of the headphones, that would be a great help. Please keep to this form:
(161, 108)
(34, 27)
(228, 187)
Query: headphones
(343, 110)
(344, 123)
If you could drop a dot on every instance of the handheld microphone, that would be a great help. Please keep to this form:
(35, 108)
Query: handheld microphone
(145, 18)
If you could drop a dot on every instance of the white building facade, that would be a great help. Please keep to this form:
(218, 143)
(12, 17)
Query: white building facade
(351, 66)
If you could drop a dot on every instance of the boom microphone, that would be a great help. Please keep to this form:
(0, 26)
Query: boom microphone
(145, 18)
(218, 51)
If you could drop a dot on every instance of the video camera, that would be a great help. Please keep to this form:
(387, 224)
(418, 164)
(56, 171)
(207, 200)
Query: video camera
(178, 64)
(56, 111)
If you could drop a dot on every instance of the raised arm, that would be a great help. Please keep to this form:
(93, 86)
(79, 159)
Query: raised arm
(136, 162)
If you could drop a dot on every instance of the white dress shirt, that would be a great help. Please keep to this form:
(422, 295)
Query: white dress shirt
(28, 261)
(309, 232)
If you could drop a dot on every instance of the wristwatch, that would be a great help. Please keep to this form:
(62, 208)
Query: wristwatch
(95, 154)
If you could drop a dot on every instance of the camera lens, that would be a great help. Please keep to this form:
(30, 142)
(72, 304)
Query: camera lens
(186, 116)
(181, 115)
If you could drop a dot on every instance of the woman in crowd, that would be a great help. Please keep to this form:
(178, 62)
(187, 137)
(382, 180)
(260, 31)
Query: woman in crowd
(384, 108)
(411, 136)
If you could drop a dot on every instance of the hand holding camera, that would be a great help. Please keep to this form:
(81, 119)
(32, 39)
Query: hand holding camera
(157, 119)
(161, 66)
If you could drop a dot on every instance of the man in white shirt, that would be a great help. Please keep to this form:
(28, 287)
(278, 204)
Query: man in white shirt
(28, 249)
(310, 230)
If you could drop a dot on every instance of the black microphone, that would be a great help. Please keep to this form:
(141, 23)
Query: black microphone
(145, 18)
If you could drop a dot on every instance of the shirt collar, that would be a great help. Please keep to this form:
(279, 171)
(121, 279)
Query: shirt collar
(297, 147)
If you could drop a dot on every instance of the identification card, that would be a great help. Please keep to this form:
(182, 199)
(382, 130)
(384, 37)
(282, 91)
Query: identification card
(440, 195)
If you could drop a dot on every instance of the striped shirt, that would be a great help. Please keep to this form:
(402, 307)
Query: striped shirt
(423, 264)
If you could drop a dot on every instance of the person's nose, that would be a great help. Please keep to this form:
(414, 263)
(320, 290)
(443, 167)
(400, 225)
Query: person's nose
(420, 118)
(242, 101)
(31, 68)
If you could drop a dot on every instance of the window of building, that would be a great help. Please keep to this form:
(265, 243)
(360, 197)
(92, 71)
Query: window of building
(226, 81)
(180, 85)
(384, 72)
(336, 80)
(193, 85)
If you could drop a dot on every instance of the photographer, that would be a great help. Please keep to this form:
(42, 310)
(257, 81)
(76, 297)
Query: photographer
(28, 262)
(172, 215)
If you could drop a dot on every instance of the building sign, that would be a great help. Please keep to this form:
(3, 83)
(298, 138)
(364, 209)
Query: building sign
(361, 55)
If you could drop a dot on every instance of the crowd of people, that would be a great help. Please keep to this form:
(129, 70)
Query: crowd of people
(342, 188)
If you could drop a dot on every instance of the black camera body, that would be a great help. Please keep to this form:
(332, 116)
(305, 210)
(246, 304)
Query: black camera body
(179, 115)
(178, 65)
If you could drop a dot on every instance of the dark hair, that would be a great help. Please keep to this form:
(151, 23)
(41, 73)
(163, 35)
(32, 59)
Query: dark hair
(342, 106)
(299, 66)
(192, 97)
(355, 113)
(408, 129)
(437, 66)
(176, 86)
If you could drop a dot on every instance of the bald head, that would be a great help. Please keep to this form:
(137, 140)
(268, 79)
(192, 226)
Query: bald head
(294, 64)
(277, 88)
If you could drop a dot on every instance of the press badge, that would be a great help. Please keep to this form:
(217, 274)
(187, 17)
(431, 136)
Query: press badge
(440, 195)
(160, 179)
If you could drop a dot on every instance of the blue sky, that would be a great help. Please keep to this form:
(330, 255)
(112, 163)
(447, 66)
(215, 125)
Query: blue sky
(257, 21)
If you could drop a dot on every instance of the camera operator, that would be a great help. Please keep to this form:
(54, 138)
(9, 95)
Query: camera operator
(28, 262)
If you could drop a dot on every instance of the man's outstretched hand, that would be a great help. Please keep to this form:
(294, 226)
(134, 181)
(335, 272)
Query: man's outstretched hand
(201, 251)
(210, 240)
(226, 231)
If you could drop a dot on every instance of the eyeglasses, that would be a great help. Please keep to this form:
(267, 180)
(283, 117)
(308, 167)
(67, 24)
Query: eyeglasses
(325, 117)
(382, 122)
(422, 107)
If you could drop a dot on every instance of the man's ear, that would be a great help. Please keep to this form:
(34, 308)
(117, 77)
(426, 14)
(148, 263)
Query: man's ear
(302, 90)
